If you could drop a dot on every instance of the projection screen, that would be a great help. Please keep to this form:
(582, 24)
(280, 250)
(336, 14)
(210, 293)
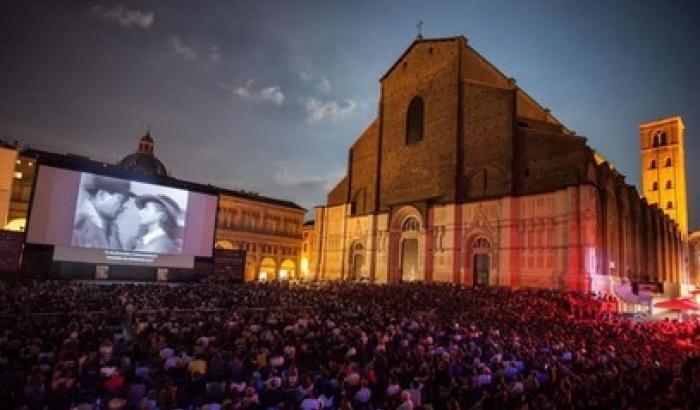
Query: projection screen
(106, 220)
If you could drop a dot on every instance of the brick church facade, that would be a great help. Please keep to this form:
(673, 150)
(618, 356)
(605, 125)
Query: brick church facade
(464, 178)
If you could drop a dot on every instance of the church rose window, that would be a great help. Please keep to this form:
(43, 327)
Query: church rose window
(414, 121)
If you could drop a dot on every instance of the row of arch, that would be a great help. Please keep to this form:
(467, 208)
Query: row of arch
(408, 252)
(268, 269)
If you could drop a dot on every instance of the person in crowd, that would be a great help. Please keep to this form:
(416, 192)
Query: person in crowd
(208, 345)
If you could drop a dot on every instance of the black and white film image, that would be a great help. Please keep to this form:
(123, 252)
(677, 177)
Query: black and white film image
(118, 214)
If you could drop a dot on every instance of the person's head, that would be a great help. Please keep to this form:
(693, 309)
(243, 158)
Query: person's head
(108, 195)
(158, 210)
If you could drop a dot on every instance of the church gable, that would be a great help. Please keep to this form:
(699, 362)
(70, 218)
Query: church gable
(418, 160)
(422, 58)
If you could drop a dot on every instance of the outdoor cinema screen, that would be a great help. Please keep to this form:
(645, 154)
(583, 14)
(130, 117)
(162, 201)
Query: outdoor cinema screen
(101, 219)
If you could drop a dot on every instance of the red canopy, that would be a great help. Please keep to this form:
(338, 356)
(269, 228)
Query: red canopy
(680, 304)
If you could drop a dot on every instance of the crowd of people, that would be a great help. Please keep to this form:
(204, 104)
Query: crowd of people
(66, 345)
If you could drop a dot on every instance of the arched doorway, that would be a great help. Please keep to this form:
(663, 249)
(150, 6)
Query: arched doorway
(481, 262)
(287, 270)
(267, 269)
(410, 266)
(357, 261)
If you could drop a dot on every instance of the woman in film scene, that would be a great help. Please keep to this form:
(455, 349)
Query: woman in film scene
(159, 231)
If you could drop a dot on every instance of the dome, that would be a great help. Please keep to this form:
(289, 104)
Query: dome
(144, 163)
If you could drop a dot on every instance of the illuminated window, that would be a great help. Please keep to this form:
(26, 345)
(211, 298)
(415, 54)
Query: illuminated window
(414, 121)
(18, 175)
(410, 224)
(19, 162)
(653, 164)
(669, 185)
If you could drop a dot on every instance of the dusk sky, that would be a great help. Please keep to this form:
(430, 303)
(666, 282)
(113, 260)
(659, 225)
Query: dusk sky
(268, 95)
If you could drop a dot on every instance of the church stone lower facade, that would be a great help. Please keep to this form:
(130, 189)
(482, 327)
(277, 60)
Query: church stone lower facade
(464, 178)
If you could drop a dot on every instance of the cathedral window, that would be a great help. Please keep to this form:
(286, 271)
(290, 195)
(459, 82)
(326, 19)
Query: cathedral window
(668, 162)
(669, 185)
(414, 121)
(410, 224)
(481, 243)
(652, 165)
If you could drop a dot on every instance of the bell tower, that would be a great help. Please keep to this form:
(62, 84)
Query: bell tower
(663, 167)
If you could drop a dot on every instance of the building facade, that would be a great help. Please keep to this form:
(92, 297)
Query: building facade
(464, 178)
(269, 230)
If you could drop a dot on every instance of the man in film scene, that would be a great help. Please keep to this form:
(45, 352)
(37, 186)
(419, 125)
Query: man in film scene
(103, 201)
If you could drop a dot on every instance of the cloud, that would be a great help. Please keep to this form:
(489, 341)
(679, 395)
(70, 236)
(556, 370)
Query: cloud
(318, 110)
(320, 81)
(272, 94)
(287, 178)
(323, 84)
(124, 17)
(214, 53)
(181, 49)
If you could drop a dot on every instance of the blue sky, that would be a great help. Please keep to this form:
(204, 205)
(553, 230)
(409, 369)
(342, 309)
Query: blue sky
(268, 95)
